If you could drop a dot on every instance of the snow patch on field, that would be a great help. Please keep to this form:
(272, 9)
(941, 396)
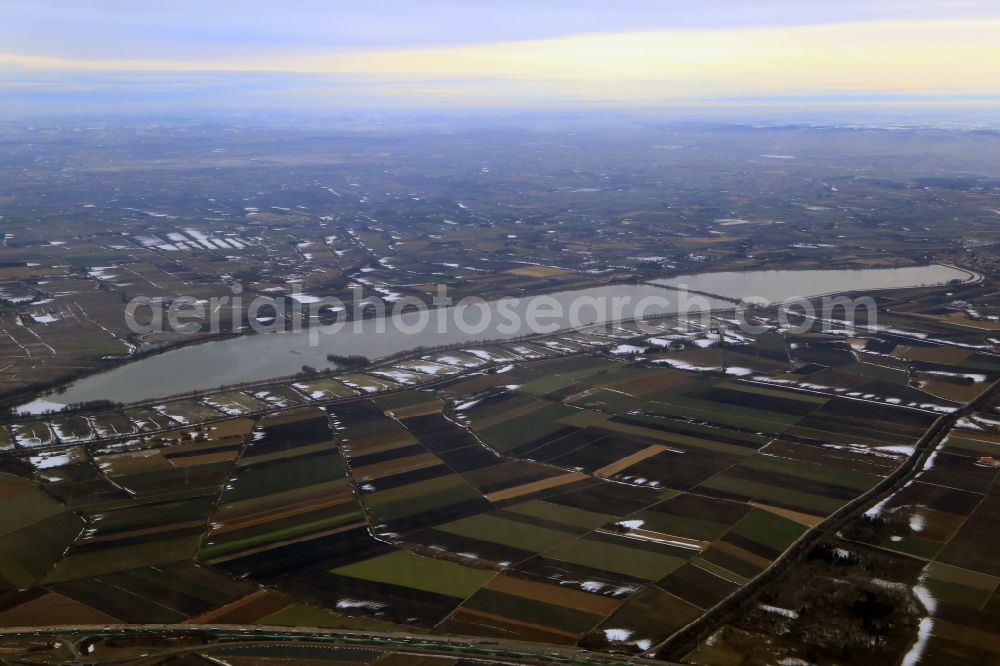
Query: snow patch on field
(916, 652)
(902, 450)
(983, 421)
(617, 635)
(428, 368)
(926, 627)
(487, 356)
(229, 409)
(39, 406)
(46, 462)
(684, 365)
(926, 598)
(931, 459)
(877, 510)
(64, 436)
(313, 395)
(974, 376)
(359, 603)
(775, 610)
(162, 409)
(889, 584)
(454, 360)
(367, 389)
(400, 376)
(304, 298)
(627, 350)
(624, 635)
(967, 423)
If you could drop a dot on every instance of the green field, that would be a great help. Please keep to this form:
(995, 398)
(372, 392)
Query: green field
(420, 573)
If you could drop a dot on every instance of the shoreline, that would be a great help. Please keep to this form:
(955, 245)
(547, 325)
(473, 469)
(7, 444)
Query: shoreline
(39, 395)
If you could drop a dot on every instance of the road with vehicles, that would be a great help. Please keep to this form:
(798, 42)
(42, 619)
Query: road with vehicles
(84, 643)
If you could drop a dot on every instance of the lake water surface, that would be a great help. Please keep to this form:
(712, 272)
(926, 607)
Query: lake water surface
(260, 357)
(776, 286)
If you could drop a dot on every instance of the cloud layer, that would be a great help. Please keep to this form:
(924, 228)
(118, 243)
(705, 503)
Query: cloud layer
(686, 55)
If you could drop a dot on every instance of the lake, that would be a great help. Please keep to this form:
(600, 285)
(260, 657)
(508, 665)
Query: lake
(776, 286)
(266, 356)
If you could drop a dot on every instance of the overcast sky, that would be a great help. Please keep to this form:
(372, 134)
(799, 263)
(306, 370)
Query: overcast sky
(507, 53)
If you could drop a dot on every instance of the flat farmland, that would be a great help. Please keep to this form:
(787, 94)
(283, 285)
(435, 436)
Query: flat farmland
(601, 499)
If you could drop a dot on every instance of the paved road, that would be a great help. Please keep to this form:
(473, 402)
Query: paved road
(688, 637)
(499, 650)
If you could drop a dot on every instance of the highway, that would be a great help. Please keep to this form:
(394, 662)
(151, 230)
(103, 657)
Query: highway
(219, 637)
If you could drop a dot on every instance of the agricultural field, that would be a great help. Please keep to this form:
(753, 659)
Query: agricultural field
(940, 523)
(602, 488)
(914, 568)
(600, 499)
(345, 214)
